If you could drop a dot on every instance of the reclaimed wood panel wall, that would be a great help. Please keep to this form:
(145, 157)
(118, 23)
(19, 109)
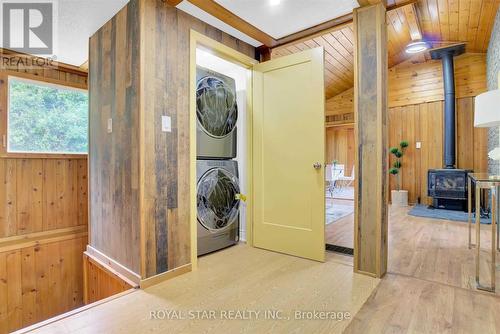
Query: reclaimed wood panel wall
(370, 109)
(166, 155)
(43, 216)
(341, 147)
(114, 157)
(140, 197)
(424, 123)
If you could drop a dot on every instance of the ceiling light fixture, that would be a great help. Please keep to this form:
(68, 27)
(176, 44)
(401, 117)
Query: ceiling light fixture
(274, 2)
(417, 47)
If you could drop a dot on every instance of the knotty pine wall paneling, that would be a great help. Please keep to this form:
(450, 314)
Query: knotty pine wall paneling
(99, 282)
(424, 123)
(416, 114)
(139, 175)
(341, 147)
(43, 218)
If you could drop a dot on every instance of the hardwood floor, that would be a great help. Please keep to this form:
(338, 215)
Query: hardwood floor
(409, 305)
(430, 286)
(341, 232)
(238, 278)
(429, 289)
(436, 250)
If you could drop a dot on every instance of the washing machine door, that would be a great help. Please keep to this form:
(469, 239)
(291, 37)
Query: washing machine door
(217, 205)
(216, 107)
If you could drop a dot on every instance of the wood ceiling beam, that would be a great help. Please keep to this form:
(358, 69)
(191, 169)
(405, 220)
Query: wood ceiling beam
(216, 10)
(221, 13)
(335, 24)
(173, 2)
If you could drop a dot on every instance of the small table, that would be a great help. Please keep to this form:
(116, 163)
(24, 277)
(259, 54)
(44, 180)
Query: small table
(484, 181)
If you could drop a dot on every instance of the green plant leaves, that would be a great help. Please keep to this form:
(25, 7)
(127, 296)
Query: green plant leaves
(394, 171)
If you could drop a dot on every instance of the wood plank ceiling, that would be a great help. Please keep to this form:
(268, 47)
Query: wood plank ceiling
(439, 22)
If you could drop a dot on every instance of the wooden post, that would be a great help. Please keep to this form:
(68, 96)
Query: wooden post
(370, 109)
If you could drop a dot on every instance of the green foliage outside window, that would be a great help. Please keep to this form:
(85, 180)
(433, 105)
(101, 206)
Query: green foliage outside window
(46, 118)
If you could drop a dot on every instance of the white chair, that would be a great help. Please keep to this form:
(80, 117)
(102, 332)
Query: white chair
(329, 179)
(337, 174)
(347, 180)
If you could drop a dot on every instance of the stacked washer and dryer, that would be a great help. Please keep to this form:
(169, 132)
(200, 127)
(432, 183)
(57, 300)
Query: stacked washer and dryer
(217, 173)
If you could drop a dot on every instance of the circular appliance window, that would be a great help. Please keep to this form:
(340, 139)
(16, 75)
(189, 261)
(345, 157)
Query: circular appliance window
(216, 106)
(216, 202)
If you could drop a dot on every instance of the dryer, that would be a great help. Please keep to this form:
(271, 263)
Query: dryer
(217, 204)
(217, 114)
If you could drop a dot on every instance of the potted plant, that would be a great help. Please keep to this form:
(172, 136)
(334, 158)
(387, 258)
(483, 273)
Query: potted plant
(399, 197)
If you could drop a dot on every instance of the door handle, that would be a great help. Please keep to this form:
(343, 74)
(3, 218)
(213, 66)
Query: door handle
(317, 165)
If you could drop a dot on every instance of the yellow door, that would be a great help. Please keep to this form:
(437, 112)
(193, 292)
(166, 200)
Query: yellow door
(288, 155)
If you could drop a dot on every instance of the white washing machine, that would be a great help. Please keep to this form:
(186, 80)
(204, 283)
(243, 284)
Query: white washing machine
(217, 114)
(217, 204)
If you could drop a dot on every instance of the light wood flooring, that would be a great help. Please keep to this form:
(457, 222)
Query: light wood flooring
(238, 278)
(409, 305)
(429, 289)
(341, 232)
(430, 286)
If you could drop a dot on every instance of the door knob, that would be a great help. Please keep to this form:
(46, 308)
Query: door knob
(317, 165)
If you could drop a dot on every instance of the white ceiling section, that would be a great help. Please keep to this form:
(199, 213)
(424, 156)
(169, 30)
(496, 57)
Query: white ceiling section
(280, 18)
(77, 21)
(192, 10)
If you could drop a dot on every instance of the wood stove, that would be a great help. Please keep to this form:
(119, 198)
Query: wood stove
(448, 186)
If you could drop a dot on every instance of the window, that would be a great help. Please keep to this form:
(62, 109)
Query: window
(45, 118)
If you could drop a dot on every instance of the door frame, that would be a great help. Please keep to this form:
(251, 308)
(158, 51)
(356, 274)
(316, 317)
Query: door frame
(199, 40)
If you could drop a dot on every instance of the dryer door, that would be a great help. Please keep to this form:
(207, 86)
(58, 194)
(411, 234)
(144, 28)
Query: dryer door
(216, 107)
(217, 205)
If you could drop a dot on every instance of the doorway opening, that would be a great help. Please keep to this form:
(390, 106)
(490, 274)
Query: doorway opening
(339, 192)
(220, 162)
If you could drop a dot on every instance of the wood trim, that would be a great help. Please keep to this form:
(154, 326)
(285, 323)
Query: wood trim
(57, 65)
(329, 26)
(4, 93)
(62, 83)
(39, 238)
(72, 313)
(320, 29)
(218, 11)
(12, 155)
(150, 281)
(229, 54)
(338, 125)
(113, 266)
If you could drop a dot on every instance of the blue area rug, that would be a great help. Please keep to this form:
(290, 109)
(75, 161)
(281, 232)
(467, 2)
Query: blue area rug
(420, 210)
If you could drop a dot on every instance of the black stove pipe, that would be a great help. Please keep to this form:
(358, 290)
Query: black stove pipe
(449, 110)
(446, 55)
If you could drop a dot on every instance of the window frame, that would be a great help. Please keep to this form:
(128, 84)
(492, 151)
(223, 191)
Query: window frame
(5, 80)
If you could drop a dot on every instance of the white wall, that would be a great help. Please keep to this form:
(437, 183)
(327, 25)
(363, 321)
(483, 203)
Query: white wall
(239, 74)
